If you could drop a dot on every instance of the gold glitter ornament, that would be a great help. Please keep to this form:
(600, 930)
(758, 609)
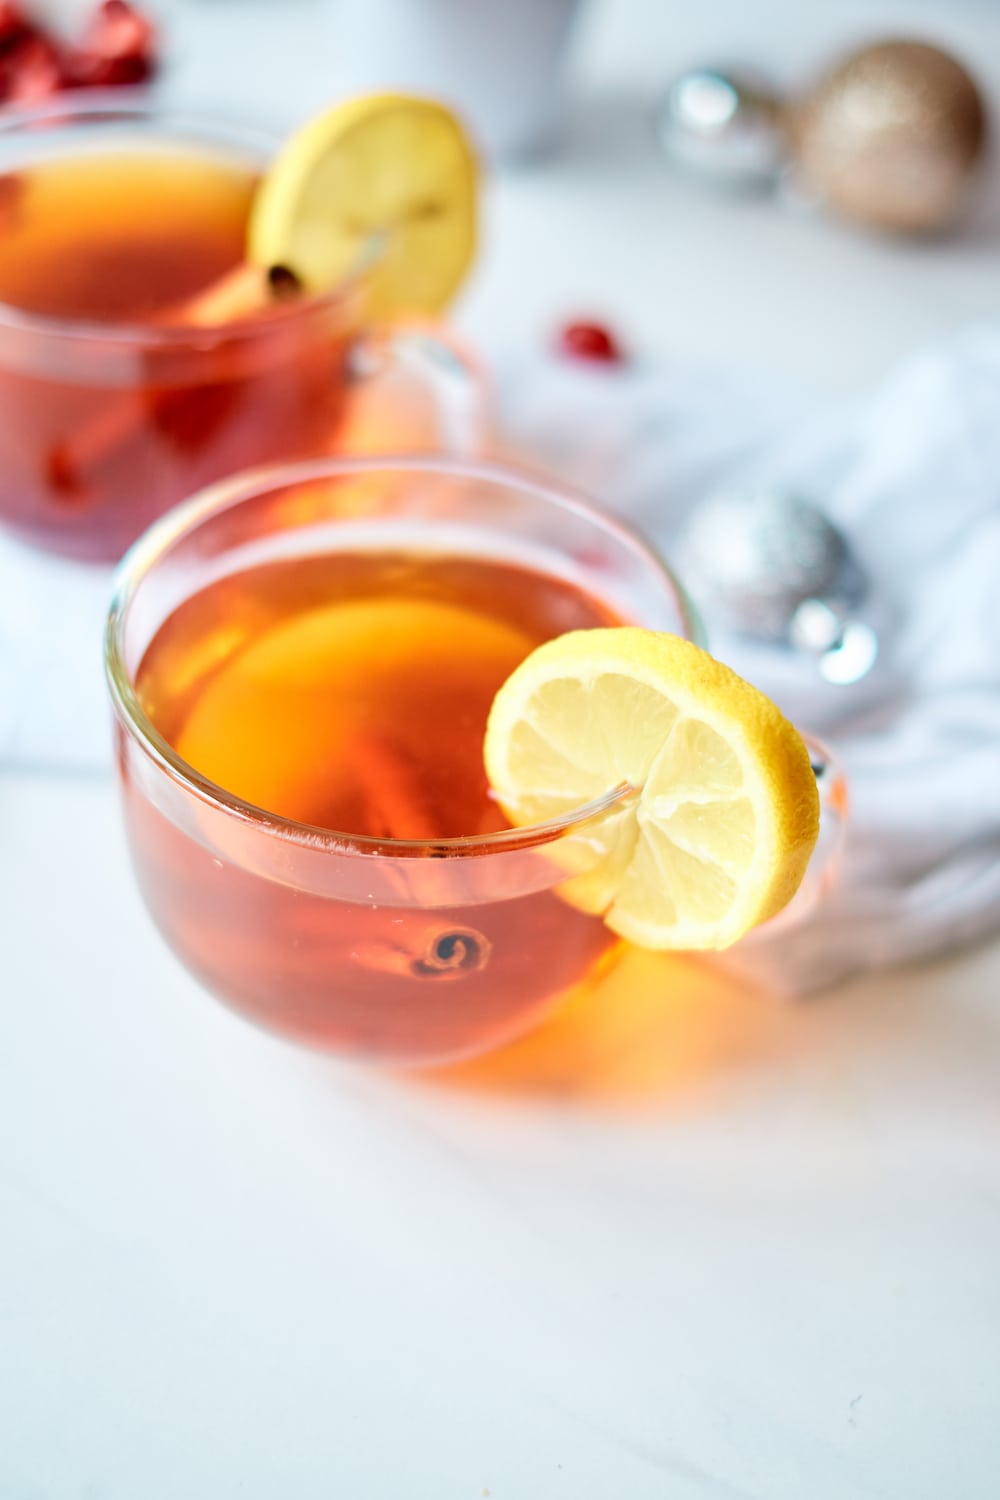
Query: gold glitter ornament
(891, 137)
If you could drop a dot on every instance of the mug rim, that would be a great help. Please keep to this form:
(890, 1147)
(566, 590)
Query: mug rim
(121, 105)
(185, 519)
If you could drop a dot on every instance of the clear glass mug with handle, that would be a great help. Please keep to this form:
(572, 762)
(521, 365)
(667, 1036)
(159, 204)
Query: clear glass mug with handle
(424, 941)
(104, 425)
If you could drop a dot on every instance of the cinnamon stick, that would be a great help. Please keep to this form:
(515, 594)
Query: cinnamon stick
(393, 801)
(238, 294)
(241, 293)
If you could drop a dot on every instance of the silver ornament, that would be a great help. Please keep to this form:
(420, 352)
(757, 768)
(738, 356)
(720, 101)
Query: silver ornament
(725, 126)
(769, 564)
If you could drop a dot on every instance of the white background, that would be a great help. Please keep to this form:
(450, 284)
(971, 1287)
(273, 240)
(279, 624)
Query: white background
(687, 1242)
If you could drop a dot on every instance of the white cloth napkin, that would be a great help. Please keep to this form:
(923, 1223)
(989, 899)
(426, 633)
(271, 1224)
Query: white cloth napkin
(912, 475)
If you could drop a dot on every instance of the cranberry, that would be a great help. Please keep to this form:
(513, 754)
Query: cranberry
(34, 70)
(15, 27)
(590, 341)
(118, 47)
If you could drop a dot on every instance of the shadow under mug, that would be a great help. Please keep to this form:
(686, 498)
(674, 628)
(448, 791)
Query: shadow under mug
(104, 427)
(389, 949)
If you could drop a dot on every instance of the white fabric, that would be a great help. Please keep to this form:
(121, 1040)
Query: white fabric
(912, 475)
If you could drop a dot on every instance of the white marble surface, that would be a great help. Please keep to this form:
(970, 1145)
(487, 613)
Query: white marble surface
(686, 1242)
(700, 1245)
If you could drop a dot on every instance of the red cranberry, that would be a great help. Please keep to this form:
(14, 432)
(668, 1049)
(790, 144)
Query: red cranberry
(590, 341)
(118, 47)
(32, 71)
(15, 27)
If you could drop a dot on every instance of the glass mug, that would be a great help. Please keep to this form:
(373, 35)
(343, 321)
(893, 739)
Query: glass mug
(408, 949)
(107, 423)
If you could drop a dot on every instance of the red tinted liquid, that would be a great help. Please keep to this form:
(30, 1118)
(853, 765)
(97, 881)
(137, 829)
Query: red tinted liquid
(351, 692)
(101, 430)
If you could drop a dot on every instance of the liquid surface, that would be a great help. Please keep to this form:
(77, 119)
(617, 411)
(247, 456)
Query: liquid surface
(120, 238)
(97, 440)
(352, 691)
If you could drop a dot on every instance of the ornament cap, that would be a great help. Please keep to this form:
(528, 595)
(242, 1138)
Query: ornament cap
(723, 125)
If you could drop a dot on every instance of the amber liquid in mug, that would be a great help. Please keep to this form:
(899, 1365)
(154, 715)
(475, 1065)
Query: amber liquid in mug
(119, 239)
(97, 437)
(351, 692)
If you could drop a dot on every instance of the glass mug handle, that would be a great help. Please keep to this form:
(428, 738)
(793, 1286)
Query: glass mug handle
(425, 359)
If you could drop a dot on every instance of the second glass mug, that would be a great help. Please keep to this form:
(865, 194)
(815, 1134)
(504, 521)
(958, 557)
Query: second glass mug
(402, 950)
(105, 426)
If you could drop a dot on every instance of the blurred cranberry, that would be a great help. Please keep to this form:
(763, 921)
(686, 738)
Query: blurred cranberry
(14, 26)
(590, 341)
(31, 71)
(118, 47)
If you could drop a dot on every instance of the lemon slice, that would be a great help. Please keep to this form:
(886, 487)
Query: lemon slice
(294, 720)
(384, 177)
(724, 814)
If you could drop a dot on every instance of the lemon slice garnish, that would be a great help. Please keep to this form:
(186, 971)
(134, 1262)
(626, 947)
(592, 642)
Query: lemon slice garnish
(385, 179)
(725, 812)
(291, 718)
